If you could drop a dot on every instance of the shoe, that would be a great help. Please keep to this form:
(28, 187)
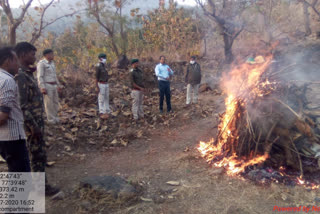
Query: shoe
(50, 190)
(161, 111)
(170, 112)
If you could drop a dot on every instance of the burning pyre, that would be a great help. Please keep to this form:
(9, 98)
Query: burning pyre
(264, 128)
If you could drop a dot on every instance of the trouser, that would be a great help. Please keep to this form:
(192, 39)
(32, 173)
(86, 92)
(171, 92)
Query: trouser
(51, 103)
(36, 146)
(38, 154)
(192, 93)
(103, 98)
(16, 155)
(164, 88)
(137, 104)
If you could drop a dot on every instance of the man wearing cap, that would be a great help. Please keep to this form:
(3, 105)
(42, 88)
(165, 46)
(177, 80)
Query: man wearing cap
(164, 73)
(193, 79)
(137, 84)
(102, 86)
(49, 85)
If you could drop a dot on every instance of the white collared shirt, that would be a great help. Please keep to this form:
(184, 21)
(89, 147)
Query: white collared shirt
(13, 129)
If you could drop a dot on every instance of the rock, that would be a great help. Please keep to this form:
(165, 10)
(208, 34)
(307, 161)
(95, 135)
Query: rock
(114, 188)
(204, 87)
(59, 196)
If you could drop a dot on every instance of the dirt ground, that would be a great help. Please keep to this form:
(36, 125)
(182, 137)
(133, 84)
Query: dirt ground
(169, 154)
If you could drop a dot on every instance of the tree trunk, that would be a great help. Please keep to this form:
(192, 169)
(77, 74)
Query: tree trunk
(114, 46)
(12, 35)
(205, 46)
(123, 35)
(228, 42)
(306, 19)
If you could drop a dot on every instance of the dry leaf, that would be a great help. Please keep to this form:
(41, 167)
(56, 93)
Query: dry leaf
(114, 142)
(51, 163)
(91, 142)
(173, 183)
(67, 148)
(69, 136)
(146, 199)
(124, 143)
(116, 113)
(74, 129)
(140, 133)
(126, 113)
(84, 120)
(104, 128)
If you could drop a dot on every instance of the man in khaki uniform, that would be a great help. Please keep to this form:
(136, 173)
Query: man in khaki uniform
(49, 85)
(136, 77)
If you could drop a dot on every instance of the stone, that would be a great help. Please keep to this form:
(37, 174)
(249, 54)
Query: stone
(114, 187)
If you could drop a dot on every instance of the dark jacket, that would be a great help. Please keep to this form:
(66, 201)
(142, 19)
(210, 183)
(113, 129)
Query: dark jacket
(193, 75)
(101, 72)
(136, 76)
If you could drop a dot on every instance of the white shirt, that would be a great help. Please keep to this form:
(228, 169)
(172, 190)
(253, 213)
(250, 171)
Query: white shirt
(13, 129)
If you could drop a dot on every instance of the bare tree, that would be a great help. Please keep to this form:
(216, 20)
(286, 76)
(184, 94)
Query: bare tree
(312, 4)
(306, 5)
(13, 23)
(226, 14)
(306, 18)
(96, 8)
(37, 32)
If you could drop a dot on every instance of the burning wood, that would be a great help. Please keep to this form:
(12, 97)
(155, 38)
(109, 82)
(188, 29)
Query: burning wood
(265, 123)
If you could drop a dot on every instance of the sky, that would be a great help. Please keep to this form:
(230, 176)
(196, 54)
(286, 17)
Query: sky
(17, 3)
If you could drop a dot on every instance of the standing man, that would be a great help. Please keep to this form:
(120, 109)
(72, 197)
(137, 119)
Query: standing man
(31, 103)
(136, 77)
(12, 136)
(164, 72)
(102, 86)
(193, 79)
(49, 85)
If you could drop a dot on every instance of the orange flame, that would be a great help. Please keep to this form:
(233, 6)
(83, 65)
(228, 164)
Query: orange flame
(241, 84)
